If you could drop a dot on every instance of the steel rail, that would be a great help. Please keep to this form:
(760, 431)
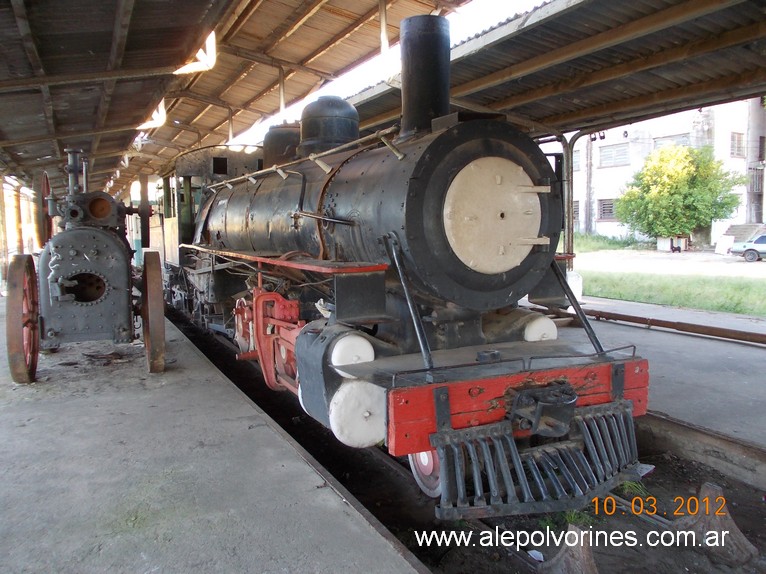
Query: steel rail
(709, 330)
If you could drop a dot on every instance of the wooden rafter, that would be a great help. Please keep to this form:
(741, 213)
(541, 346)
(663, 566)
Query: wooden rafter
(679, 54)
(644, 26)
(265, 59)
(728, 88)
(324, 48)
(22, 22)
(290, 26)
(122, 19)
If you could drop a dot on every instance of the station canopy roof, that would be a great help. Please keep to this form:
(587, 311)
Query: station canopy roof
(86, 73)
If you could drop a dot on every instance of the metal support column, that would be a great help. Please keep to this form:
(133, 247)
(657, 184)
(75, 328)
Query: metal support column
(144, 209)
(17, 218)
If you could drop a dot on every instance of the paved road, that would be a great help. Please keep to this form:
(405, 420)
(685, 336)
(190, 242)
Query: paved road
(686, 263)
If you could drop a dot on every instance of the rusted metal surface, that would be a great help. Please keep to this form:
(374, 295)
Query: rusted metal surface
(274, 324)
(412, 416)
(709, 330)
(153, 312)
(21, 324)
(300, 263)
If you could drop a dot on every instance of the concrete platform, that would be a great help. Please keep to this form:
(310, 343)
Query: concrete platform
(105, 468)
(710, 383)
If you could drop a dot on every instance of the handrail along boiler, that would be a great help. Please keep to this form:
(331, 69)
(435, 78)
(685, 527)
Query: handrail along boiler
(378, 279)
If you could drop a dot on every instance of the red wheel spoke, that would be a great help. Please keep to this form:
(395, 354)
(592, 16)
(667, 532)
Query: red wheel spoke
(21, 319)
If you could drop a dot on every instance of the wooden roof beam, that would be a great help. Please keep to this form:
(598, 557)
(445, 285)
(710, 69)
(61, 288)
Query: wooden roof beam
(733, 87)
(27, 38)
(237, 19)
(263, 58)
(65, 136)
(656, 22)
(727, 40)
(122, 20)
(334, 41)
(346, 32)
(150, 140)
(19, 84)
(209, 100)
(291, 25)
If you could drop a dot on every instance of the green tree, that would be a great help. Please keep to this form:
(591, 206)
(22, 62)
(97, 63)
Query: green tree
(679, 191)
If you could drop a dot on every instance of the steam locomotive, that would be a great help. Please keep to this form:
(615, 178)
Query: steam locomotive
(378, 278)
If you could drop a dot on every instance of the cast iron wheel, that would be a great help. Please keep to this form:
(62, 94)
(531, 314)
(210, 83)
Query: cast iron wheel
(751, 255)
(425, 468)
(22, 319)
(153, 312)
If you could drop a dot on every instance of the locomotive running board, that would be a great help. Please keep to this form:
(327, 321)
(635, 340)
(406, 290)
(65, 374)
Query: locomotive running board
(600, 454)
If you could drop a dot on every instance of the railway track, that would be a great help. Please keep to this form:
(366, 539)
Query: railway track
(635, 516)
(384, 486)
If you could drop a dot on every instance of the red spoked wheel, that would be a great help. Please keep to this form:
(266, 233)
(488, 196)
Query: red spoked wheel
(22, 319)
(427, 472)
(153, 312)
(43, 219)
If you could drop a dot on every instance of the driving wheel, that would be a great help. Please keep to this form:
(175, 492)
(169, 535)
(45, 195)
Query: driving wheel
(153, 312)
(22, 319)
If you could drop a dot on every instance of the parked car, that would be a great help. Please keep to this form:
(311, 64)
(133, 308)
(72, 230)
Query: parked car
(752, 250)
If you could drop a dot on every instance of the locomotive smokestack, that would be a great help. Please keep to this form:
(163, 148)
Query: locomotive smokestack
(425, 46)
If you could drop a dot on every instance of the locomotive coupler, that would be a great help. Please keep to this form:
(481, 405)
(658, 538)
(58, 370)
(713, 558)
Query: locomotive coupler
(546, 411)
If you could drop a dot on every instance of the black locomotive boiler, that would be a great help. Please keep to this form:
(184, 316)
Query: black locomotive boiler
(378, 279)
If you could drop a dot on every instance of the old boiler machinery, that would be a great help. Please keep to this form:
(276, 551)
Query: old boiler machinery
(379, 279)
(85, 290)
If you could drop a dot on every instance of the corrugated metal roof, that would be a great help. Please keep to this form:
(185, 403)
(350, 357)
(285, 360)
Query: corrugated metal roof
(83, 73)
(589, 64)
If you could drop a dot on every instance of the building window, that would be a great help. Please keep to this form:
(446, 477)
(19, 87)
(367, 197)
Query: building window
(606, 210)
(576, 214)
(761, 148)
(614, 155)
(678, 139)
(737, 144)
(576, 160)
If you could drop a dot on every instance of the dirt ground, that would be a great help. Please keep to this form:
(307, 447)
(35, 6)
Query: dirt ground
(663, 263)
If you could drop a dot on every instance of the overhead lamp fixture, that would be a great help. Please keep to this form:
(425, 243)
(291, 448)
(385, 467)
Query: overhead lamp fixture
(159, 116)
(206, 57)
